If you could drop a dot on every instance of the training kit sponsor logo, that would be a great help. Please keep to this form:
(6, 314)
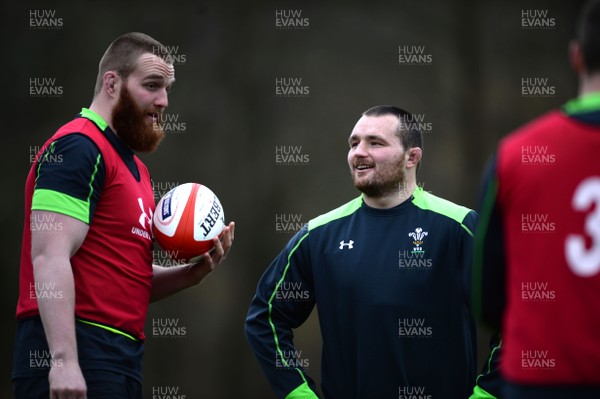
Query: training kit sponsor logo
(44, 87)
(44, 20)
(537, 87)
(291, 88)
(412, 327)
(291, 19)
(168, 328)
(413, 392)
(537, 223)
(537, 291)
(145, 220)
(291, 359)
(288, 222)
(537, 360)
(537, 155)
(537, 19)
(167, 392)
(290, 155)
(412, 55)
(346, 244)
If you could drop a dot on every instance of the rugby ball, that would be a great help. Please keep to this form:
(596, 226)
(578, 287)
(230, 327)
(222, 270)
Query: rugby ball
(186, 220)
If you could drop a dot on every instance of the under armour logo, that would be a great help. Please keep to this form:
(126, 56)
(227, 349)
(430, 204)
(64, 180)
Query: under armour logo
(349, 244)
(144, 216)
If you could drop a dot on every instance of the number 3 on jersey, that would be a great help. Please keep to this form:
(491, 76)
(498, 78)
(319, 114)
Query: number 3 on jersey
(582, 261)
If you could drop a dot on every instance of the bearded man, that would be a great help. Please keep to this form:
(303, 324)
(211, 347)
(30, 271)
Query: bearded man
(389, 273)
(86, 274)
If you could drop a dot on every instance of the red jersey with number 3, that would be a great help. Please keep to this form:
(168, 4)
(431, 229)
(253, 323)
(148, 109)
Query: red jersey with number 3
(549, 186)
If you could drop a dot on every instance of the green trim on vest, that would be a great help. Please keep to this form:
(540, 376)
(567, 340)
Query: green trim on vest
(94, 117)
(111, 329)
(53, 201)
(587, 103)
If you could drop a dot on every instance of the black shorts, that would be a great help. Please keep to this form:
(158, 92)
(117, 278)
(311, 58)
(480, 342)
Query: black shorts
(101, 384)
(97, 349)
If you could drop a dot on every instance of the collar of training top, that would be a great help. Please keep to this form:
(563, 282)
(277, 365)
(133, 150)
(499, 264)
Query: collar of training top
(124, 152)
(585, 108)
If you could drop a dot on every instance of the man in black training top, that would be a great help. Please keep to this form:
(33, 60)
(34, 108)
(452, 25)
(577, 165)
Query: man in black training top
(389, 272)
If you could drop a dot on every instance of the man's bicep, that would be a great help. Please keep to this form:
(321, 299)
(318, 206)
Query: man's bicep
(295, 292)
(287, 285)
(55, 234)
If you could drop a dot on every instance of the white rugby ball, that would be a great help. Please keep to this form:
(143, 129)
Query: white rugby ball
(186, 220)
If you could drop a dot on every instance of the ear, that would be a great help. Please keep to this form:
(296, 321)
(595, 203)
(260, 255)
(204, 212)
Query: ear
(576, 57)
(111, 83)
(413, 157)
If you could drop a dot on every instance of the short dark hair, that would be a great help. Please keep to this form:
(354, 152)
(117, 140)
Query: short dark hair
(588, 35)
(408, 133)
(123, 53)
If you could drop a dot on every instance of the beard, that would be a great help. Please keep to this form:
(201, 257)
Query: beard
(391, 179)
(132, 125)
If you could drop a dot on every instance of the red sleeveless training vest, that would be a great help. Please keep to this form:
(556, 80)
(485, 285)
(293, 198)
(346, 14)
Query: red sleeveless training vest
(113, 267)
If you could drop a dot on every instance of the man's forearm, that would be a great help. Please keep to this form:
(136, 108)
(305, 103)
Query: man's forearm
(170, 280)
(56, 301)
(50, 255)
